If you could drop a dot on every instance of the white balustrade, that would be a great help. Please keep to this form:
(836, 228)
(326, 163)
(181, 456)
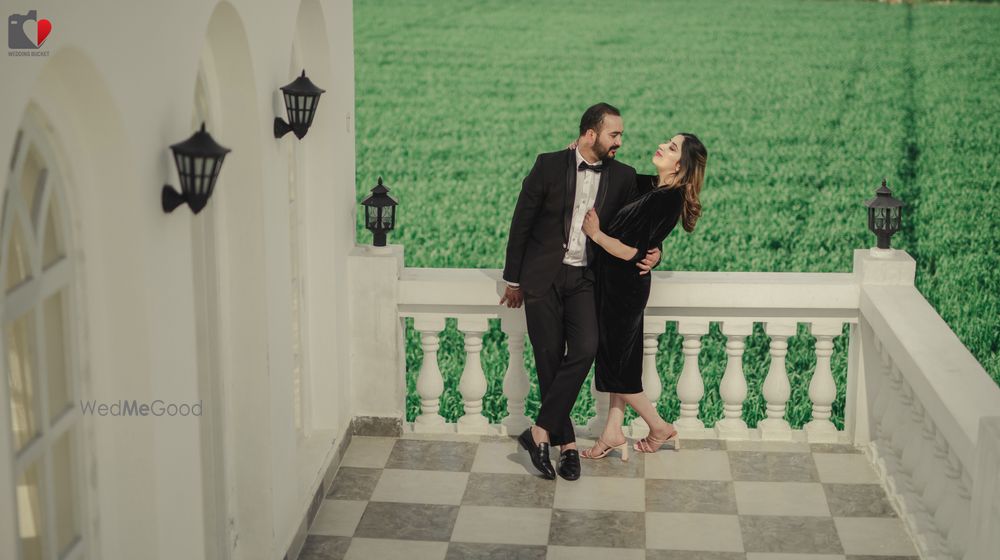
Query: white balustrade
(430, 385)
(733, 387)
(777, 388)
(691, 386)
(515, 382)
(473, 384)
(822, 389)
(916, 390)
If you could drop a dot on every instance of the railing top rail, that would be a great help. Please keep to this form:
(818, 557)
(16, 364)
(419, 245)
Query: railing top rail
(713, 294)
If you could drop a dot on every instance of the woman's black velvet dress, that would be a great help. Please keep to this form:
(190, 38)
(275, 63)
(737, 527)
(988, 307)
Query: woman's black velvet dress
(622, 292)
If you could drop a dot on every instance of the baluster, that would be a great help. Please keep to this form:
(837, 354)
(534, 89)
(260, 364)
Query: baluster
(652, 387)
(928, 534)
(937, 487)
(925, 460)
(959, 534)
(473, 383)
(733, 387)
(602, 404)
(430, 385)
(902, 436)
(889, 423)
(690, 386)
(921, 514)
(945, 516)
(515, 382)
(777, 388)
(822, 389)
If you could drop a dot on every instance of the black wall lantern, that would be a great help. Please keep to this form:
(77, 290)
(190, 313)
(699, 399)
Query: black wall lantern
(301, 98)
(884, 215)
(380, 213)
(199, 160)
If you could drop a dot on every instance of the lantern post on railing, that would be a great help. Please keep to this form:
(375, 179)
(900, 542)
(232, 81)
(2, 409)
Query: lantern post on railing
(380, 213)
(884, 215)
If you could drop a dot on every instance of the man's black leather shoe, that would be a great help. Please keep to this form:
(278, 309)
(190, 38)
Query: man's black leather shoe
(569, 464)
(539, 454)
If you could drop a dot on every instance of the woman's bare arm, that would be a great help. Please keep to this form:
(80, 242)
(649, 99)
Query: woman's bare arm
(614, 247)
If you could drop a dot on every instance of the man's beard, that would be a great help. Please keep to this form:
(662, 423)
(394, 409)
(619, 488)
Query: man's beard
(601, 151)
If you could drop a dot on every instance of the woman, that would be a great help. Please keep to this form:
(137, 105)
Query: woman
(670, 195)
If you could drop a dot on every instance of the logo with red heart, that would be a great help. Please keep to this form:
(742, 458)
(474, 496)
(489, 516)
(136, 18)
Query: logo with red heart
(27, 31)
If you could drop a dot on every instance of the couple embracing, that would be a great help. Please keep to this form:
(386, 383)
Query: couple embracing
(585, 234)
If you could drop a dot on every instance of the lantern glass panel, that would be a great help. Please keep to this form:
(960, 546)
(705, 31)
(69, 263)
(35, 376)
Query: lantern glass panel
(372, 219)
(894, 218)
(880, 219)
(387, 217)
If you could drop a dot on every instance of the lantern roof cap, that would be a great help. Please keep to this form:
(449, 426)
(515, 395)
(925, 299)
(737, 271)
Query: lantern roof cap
(379, 196)
(884, 199)
(302, 86)
(200, 144)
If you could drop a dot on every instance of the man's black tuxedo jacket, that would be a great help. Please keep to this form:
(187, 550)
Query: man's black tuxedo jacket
(539, 231)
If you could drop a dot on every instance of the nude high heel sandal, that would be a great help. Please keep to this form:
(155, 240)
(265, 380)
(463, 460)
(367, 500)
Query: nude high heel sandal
(623, 448)
(650, 444)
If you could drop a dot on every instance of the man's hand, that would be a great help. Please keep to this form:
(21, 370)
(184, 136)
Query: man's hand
(647, 264)
(512, 297)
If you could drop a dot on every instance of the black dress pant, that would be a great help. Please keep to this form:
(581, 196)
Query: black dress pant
(562, 327)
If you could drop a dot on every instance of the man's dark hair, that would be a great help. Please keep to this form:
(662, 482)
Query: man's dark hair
(594, 116)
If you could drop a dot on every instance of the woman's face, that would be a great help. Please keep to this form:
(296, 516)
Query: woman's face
(668, 155)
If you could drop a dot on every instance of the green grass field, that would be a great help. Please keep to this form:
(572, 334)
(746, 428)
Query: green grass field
(804, 106)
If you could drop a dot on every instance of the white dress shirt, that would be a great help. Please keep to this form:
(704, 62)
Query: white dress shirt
(587, 183)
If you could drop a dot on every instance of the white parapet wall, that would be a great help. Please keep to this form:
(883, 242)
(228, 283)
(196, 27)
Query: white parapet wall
(917, 400)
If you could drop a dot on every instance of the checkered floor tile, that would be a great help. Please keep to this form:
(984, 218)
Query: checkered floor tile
(469, 498)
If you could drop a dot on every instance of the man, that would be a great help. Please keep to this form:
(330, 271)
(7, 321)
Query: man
(549, 268)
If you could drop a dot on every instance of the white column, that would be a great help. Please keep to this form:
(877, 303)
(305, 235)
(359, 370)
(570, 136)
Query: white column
(777, 389)
(515, 382)
(733, 387)
(473, 386)
(430, 385)
(822, 389)
(652, 387)
(690, 386)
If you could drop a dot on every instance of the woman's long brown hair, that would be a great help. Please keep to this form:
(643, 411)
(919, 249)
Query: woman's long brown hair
(690, 177)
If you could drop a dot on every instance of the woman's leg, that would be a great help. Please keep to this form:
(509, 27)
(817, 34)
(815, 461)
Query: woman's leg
(658, 427)
(613, 434)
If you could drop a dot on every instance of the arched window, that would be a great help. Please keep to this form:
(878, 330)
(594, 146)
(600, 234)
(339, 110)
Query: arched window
(41, 372)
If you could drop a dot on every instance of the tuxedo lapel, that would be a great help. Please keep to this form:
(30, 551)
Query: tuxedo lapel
(602, 190)
(570, 194)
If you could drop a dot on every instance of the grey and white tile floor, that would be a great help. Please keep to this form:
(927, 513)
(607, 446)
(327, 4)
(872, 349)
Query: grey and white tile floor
(458, 498)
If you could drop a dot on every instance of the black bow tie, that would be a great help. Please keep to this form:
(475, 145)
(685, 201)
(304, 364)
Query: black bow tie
(595, 168)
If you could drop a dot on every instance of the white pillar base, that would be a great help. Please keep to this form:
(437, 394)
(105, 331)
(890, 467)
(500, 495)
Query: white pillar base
(775, 429)
(732, 429)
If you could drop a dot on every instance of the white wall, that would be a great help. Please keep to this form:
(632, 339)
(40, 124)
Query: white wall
(117, 89)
